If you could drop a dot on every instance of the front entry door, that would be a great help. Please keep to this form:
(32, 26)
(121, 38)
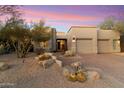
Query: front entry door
(61, 45)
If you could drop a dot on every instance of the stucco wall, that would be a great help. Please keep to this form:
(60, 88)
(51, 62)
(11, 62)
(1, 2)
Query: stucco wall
(95, 35)
(110, 35)
(61, 35)
(83, 32)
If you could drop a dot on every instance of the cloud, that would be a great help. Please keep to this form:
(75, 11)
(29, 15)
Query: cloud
(57, 16)
(68, 24)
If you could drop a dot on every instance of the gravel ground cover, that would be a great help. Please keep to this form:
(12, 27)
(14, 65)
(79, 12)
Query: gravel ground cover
(26, 73)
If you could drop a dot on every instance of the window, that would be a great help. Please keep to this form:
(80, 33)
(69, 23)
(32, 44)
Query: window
(44, 44)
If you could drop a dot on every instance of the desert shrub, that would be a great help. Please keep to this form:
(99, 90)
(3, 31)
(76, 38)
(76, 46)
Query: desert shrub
(75, 72)
(81, 76)
(72, 77)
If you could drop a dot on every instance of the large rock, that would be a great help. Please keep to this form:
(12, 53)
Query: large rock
(69, 53)
(93, 75)
(50, 54)
(43, 57)
(46, 63)
(58, 62)
(75, 72)
(3, 66)
(74, 75)
(76, 65)
(54, 58)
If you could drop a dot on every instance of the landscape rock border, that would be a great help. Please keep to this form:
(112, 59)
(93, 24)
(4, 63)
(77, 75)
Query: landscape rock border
(47, 59)
(76, 72)
(73, 72)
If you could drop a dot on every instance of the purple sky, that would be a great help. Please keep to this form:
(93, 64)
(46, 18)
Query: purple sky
(62, 17)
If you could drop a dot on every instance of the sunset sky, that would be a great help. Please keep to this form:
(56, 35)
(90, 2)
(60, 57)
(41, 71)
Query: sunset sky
(62, 17)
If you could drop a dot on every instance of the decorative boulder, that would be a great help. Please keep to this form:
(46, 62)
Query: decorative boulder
(47, 59)
(73, 74)
(76, 65)
(69, 53)
(93, 75)
(58, 62)
(46, 63)
(50, 54)
(54, 57)
(43, 57)
(3, 66)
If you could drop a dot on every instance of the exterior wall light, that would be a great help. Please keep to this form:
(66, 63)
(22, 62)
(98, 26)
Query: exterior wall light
(73, 39)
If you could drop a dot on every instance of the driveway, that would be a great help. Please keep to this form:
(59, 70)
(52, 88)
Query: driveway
(110, 64)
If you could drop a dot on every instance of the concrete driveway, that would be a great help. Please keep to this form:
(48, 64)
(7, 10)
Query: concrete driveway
(110, 64)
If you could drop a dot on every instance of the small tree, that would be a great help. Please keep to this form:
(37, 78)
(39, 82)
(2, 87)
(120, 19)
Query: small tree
(119, 26)
(111, 23)
(40, 32)
(108, 23)
(19, 35)
(10, 10)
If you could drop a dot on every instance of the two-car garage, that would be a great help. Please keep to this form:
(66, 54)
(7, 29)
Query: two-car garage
(90, 40)
(85, 45)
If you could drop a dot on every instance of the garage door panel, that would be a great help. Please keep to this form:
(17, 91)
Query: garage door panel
(103, 46)
(84, 46)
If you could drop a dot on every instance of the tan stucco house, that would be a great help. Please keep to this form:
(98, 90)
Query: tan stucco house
(85, 40)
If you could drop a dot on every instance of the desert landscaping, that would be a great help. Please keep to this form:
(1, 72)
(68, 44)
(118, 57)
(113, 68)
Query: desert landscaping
(27, 72)
(37, 54)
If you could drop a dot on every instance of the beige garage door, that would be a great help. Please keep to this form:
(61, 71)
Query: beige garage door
(103, 46)
(84, 46)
